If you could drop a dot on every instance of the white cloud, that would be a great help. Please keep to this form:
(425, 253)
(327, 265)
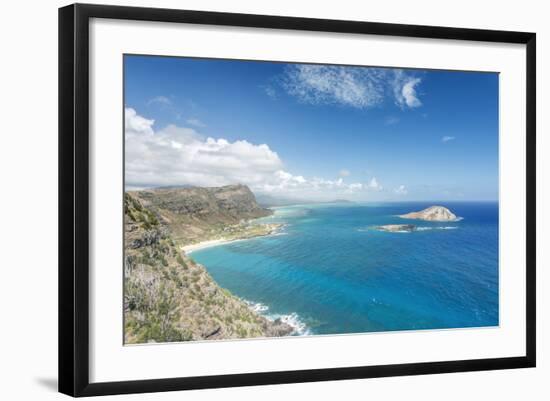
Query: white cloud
(195, 122)
(284, 182)
(401, 190)
(181, 155)
(135, 124)
(374, 184)
(447, 138)
(159, 100)
(391, 120)
(355, 87)
(270, 91)
(344, 173)
(182, 134)
(358, 87)
(409, 93)
(353, 188)
(404, 89)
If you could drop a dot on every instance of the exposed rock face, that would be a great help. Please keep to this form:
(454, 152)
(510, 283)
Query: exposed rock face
(397, 228)
(168, 297)
(433, 213)
(192, 213)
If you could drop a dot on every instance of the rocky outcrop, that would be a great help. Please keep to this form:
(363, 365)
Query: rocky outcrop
(433, 213)
(168, 297)
(397, 228)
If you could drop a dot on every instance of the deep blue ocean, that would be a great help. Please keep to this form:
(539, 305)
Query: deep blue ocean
(329, 271)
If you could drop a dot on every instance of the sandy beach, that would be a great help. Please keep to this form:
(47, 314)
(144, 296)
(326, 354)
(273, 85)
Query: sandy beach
(274, 229)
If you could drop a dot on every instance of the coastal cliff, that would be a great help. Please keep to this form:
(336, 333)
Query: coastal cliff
(432, 213)
(197, 214)
(167, 296)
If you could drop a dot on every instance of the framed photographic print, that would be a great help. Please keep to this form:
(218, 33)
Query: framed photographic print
(250, 199)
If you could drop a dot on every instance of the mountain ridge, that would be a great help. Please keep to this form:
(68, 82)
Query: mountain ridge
(194, 213)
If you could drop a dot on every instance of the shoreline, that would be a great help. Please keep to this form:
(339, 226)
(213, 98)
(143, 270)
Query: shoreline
(188, 249)
(293, 319)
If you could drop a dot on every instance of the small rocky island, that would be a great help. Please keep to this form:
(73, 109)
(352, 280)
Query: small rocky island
(433, 213)
(397, 228)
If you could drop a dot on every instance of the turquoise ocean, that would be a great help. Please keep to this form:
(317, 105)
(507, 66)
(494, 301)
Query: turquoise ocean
(329, 271)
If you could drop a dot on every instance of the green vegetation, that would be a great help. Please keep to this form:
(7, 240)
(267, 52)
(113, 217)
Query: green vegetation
(195, 214)
(138, 214)
(168, 297)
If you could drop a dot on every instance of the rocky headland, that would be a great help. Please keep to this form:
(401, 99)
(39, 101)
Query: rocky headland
(199, 214)
(167, 296)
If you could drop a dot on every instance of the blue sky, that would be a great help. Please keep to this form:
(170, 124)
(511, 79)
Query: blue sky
(312, 132)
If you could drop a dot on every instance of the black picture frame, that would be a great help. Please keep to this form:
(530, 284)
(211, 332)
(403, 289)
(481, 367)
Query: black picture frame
(74, 198)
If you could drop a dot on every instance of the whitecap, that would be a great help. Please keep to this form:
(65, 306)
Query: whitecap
(294, 321)
(257, 307)
(435, 228)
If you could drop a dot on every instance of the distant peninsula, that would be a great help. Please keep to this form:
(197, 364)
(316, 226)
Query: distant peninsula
(432, 213)
(266, 200)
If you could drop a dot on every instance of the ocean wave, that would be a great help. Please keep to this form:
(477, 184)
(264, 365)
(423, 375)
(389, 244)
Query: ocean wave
(377, 228)
(257, 306)
(436, 228)
(421, 228)
(292, 319)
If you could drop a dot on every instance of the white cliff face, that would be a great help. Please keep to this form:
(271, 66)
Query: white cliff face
(433, 213)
